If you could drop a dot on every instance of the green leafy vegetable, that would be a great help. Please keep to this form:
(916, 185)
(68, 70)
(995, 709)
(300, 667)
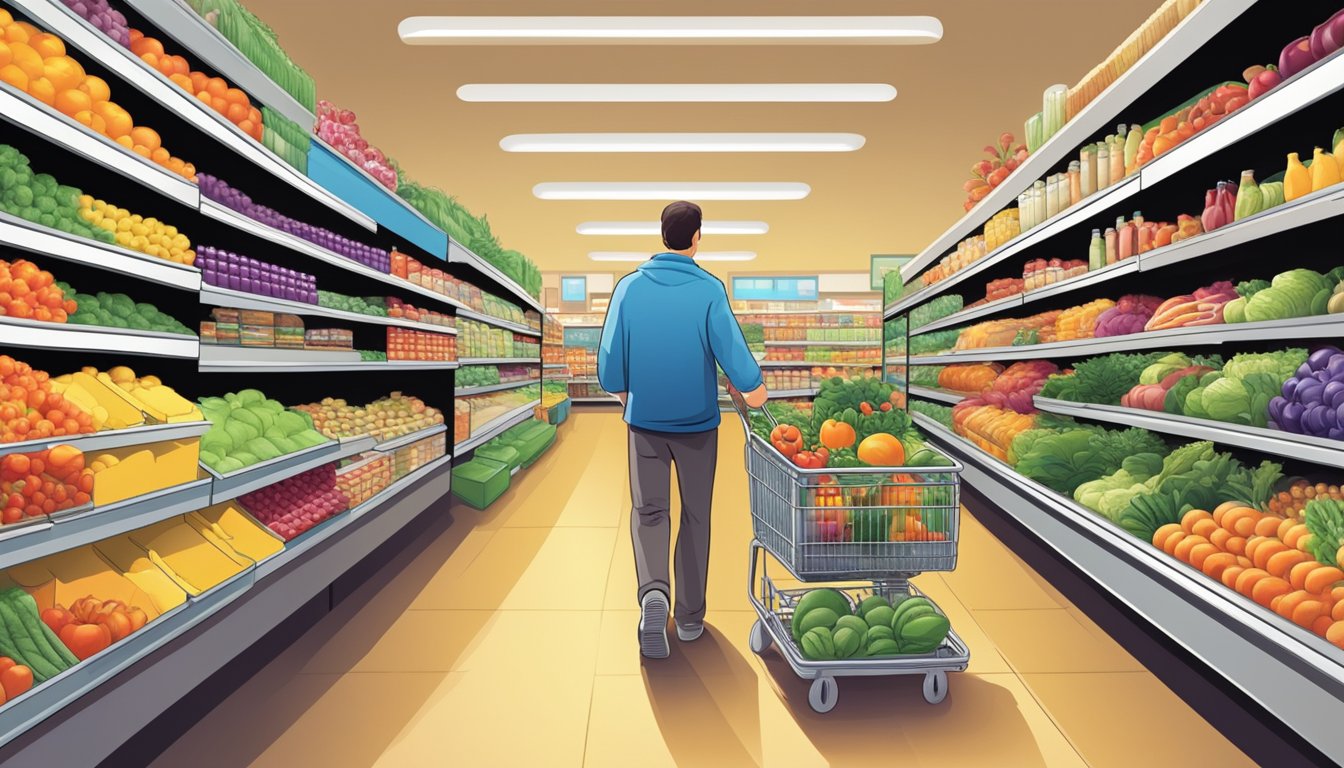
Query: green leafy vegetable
(1325, 522)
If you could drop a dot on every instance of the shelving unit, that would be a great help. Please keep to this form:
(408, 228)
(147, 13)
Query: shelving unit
(469, 391)
(932, 393)
(39, 335)
(495, 427)
(500, 361)
(497, 322)
(50, 243)
(224, 297)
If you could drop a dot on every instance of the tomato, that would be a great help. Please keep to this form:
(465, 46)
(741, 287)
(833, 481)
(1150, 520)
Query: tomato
(16, 680)
(84, 640)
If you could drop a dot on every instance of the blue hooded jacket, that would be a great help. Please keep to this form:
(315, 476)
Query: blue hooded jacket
(668, 323)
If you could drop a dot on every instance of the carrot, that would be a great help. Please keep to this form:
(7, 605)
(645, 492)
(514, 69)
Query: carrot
(1322, 625)
(1237, 545)
(1205, 527)
(1244, 561)
(1219, 538)
(1280, 563)
(1252, 544)
(1169, 545)
(1323, 579)
(1337, 613)
(1241, 521)
(1335, 634)
(1223, 509)
(1269, 588)
(1161, 534)
(1306, 612)
(1192, 517)
(1291, 601)
(1186, 544)
(1217, 563)
(1274, 604)
(1298, 575)
(1268, 526)
(1337, 594)
(1201, 552)
(1230, 574)
(1286, 527)
(1247, 579)
(1268, 549)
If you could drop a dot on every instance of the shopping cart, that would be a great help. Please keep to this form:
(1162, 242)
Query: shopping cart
(880, 526)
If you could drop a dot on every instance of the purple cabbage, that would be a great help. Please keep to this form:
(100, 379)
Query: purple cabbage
(1312, 402)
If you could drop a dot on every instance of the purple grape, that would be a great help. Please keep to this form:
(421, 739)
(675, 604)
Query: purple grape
(1321, 358)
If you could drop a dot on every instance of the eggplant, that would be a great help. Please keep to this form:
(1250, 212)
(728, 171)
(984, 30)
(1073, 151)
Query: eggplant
(1320, 44)
(1334, 31)
(1295, 57)
(1321, 358)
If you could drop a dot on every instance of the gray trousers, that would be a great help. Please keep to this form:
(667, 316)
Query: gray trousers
(651, 457)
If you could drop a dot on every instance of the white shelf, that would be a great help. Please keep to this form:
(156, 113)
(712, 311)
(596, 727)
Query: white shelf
(226, 297)
(298, 367)
(1095, 277)
(968, 314)
(266, 473)
(97, 523)
(555, 366)
(499, 361)
(92, 338)
(25, 112)
(872, 343)
(44, 241)
(1296, 671)
(1316, 327)
(469, 391)
(1188, 37)
(805, 364)
(1318, 450)
(110, 439)
(472, 314)
(933, 393)
(496, 427)
(458, 254)
(413, 437)
(584, 380)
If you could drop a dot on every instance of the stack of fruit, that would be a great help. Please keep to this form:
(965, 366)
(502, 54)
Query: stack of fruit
(362, 481)
(117, 310)
(248, 428)
(30, 293)
(231, 103)
(31, 409)
(825, 626)
(338, 128)
(39, 199)
(37, 484)
(92, 624)
(144, 235)
(988, 174)
(385, 419)
(292, 506)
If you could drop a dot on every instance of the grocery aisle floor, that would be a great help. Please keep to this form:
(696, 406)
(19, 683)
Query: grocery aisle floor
(509, 641)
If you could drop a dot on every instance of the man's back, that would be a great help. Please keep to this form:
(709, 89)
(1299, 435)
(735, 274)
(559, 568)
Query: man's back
(668, 322)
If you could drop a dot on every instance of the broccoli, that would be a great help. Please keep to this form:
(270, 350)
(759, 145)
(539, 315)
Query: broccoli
(45, 204)
(20, 196)
(46, 220)
(138, 322)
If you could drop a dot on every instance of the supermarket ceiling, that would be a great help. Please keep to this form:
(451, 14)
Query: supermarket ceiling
(895, 193)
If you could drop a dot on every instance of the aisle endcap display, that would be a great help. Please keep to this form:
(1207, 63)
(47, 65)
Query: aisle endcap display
(1203, 22)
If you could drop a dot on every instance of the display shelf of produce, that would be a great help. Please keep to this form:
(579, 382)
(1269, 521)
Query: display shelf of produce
(228, 216)
(469, 391)
(968, 314)
(458, 254)
(497, 322)
(226, 297)
(25, 112)
(111, 439)
(1296, 672)
(1060, 222)
(1095, 277)
(495, 427)
(89, 524)
(301, 367)
(872, 311)
(868, 343)
(355, 186)
(584, 380)
(1189, 36)
(933, 393)
(206, 43)
(183, 660)
(555, 366)
(1315, 327)
(83, 36)
(94, 338)
(1317, 450)
(500, 361)
(260, 475)
(1305, 88)
(812, 364)
(45, 241)
(401, 441)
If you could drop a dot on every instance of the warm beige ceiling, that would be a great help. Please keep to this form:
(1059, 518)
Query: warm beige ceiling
(893, 196)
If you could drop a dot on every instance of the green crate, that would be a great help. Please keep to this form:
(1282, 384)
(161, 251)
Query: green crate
(496, 451)
(480, 482)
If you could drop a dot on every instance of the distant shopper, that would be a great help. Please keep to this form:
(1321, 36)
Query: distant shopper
(668, 324)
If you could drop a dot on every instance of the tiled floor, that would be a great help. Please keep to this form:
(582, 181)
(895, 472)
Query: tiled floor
(509, 641)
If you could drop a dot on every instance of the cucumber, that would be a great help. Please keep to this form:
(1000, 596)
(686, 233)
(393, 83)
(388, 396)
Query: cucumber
(28, 655)
(26, 608)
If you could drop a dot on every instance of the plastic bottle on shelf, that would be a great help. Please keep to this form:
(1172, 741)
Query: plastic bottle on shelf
(1132, 144)
(1075, 183)
(1055, 100)
(1024, 210)
(1051, 196)
(1087, 166)
(1096, 251)
(1104, 163)
(1112, 245)
(1118, 157)
(1038, 202)
(1128, 235)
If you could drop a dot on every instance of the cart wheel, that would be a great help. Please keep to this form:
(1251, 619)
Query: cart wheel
(935, 687)
(759, 641)
(823, 694)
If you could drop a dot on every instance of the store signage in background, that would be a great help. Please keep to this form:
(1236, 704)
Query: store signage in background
(775, 288)
(883, 265)
(583, 338)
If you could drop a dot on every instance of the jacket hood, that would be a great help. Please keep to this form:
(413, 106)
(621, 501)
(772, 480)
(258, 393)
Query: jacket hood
(671, 269)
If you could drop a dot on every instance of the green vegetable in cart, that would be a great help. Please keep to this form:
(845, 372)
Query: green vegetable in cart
(883, 648)
(872, 602)
(880, 616)
(847, 642)
(818, 598)
(923, 634)
(818, 645)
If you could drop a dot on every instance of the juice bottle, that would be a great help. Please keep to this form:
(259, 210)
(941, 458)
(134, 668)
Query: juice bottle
(1112, 246)
(1075, 183)
(1104, 163)
(1118, 157)
(1096, 251)
(1087, 178)
(1132, 143)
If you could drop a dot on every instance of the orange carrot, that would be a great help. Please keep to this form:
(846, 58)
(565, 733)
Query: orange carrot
(1223, 509)
(1268, 526)
(1237, 545)
(1230, 574)
(1304, 615)
(1298, 575)
(1206, 528)
(1322, 625)
(1217, 563)
(1201, 552)
(1291, 601)
(1266, 550)
(1335, 634)
(1323, 579)
(1169, 545)
(1186, 544)
(1247, 579)
(1192, 517)
(1267, 589)
(1280, 563)
(1161, 534)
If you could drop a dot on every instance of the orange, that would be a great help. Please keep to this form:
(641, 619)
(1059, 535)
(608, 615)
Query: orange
(216, 86)
(166, 66)
(198, 81)
(10, 73)
(28, 60)
(63, 72)
(15, 33)
(181, 81)
(180, 66)
(236, 96)
(6, 55)
(159, 155)
(236, 113)
(119, 122)
(99, 124)
(203, 97)
(125, 141)
(141, 150)
(47, 44)
(97, 88)
(219, 104)
(73, 101)
(142, 45)
(152, 59)
(42, 90)
(5, 18)
(84, 116)
(146, 137)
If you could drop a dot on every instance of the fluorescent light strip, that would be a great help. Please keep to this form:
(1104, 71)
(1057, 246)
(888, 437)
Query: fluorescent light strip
(792, 93)
(650, 228)
(669, 191)
(683, 30)
(682, 142)
(640, 256)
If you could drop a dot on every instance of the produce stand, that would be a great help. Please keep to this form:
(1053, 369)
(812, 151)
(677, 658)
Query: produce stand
(785, 502)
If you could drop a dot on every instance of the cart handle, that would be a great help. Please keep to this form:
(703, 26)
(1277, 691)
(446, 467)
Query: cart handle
(740, 405)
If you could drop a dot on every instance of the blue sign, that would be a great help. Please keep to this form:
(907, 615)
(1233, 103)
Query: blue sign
(573, 289)
(585, 338)
(775, 288)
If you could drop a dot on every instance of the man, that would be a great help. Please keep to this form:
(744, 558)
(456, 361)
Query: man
(668, 324)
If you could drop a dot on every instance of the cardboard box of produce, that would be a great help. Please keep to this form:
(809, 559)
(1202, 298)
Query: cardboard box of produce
(228, 525)
(66, 577)
(125, 473)
(184, 553)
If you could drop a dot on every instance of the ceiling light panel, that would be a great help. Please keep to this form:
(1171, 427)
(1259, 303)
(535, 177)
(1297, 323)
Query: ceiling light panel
(669, 191)
(775, 93)
(630, 256)
(651, 228)
(682, 142)
(671, 30)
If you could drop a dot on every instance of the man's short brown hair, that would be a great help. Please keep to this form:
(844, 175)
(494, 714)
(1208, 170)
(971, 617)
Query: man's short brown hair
(681, 220)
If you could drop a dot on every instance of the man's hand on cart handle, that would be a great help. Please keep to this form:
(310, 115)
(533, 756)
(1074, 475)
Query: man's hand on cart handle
(755, 398)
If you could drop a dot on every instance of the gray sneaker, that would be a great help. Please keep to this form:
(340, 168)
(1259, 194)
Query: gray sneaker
(653, 626)
(689, 632)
